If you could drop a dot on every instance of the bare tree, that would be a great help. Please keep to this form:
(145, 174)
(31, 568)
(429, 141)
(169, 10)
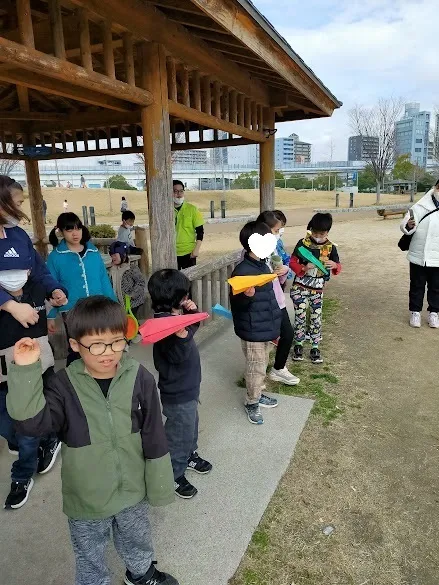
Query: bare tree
(179, 138)
(7, 165)
(378, 121)
(434, 139)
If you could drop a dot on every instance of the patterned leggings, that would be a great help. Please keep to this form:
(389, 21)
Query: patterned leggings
(302, 298)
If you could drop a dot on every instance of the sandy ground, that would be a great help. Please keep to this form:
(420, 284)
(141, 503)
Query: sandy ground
(373, 472)
(240, 201)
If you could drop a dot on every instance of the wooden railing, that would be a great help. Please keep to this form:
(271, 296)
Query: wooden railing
(209, 282)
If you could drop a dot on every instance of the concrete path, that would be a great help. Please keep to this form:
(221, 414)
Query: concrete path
(201, 541)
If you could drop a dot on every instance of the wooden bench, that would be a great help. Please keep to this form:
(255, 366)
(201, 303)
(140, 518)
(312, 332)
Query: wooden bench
(384, 213)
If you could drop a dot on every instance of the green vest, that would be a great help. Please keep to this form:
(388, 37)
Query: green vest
(187, 218)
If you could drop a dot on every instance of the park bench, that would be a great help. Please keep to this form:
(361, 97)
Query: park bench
(384, 213)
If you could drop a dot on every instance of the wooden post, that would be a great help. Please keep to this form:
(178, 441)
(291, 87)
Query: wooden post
(55, 18)
(141, 239)
(84, 40)
(25, 23)
(207, 95)
(107, 37)
(267, 197)
(196, 89)
(172, 79)
(36, 205)
(217, 99)
(157, 150)
(233, 107)
(186, 100)
(128, 53)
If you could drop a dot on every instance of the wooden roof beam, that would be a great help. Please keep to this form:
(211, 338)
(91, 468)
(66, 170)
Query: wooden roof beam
(146, 22)
(241, 24)
(46, 116)
(45, 66)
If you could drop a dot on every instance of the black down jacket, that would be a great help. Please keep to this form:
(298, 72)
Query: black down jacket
(256, 318)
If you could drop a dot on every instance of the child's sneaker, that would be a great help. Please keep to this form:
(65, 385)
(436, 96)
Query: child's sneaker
(254, 414)
(199, 465)
(433, 320)
(298, 353)
(19, 494)
(47, 456)
(184, 489)
(267, 401)
(284, 376)
(152, 577)
(315, 356)
(415, 319)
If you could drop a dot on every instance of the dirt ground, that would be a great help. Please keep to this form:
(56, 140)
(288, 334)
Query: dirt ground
(240, 201)
(371, 473)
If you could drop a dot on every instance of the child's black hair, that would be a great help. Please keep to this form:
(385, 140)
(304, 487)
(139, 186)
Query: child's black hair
(268, 217)
(250, 228)
(128, 215)
(280, 216)
(167, 289)
(320, 222)
(69, 221)
(94, 315)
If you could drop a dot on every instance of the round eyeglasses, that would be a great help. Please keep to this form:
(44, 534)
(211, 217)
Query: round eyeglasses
(100, 348)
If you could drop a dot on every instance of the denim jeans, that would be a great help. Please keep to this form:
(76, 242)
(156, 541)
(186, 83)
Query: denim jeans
(25, 466)
(181, 429)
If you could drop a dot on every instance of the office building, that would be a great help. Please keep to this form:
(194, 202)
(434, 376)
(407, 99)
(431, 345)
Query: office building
(290, 150)
(363, 148)
(412, 135)
(243, 156)
(193, 158)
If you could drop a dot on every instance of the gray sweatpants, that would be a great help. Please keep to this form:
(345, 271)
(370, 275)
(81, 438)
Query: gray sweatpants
(132, 539)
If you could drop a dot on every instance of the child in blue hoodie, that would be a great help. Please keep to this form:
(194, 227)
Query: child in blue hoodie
(78, 265)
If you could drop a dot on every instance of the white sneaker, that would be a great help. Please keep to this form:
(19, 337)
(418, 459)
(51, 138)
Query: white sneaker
(433, 320)
(284, 376)
(415, 319)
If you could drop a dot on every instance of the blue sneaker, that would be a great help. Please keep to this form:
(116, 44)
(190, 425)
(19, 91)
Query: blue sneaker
(267, 402)
(254, 414)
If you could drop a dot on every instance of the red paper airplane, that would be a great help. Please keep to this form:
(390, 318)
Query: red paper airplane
(156, 329)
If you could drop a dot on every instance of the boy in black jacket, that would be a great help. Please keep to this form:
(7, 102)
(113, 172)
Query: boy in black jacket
(257, 320)
(177, 360)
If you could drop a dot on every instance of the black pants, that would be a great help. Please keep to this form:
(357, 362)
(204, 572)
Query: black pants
(285, 341)
(72, 356)
(420, 277)
(185, 261)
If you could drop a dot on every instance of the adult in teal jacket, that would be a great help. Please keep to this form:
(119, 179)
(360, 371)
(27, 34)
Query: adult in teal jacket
(77, 264)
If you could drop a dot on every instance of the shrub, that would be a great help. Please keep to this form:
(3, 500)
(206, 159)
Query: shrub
(103, 230)
(119, 182)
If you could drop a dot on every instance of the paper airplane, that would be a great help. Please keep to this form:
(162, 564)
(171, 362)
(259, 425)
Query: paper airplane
(240, 284)
(308, 255)
(222, 311)
(156, 329)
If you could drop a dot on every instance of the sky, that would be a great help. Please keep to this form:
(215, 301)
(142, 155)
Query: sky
(362, 50)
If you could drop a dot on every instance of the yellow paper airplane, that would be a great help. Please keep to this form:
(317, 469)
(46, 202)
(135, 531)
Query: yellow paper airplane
(240, 284)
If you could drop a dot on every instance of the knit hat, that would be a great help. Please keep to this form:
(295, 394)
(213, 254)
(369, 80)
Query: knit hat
(119, 248)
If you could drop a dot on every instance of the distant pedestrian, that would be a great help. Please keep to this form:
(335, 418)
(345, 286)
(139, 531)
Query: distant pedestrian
(123, 205)
(65, 206)
(44, 210)
(83, 182)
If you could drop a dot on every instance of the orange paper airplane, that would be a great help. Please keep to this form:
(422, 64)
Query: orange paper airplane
(240, 284)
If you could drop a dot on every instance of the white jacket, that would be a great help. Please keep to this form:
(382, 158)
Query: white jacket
(424, 247)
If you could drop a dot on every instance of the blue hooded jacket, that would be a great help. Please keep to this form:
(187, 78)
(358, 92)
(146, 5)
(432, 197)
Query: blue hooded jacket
(18, 253)
(83, 276)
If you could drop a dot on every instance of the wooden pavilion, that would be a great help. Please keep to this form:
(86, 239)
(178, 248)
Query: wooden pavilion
(82, 78)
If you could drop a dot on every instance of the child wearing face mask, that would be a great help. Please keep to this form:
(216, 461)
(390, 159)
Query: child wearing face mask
(78, 265)
(33, 454)
(309, 282)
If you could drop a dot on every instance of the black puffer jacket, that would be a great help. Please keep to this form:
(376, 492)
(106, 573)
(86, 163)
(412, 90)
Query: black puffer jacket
(256, 318)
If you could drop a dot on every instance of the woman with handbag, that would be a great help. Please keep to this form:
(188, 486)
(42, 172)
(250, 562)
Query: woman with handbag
(421, 238)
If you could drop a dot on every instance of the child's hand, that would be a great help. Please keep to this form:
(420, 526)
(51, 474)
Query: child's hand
(182, 334)
(330, 265)
(250, 292)
(51, 326)
(189, 305)
(281, 270)
(58, 298)
(26, 352)
(22, 312)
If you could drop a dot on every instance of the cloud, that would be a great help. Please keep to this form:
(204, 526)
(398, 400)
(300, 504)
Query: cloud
(362, 50)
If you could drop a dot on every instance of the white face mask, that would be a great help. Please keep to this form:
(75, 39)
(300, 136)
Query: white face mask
(11, 222)
(178, 201)
(13, 280)
(319, 240)
(277, 236)
(281, 232)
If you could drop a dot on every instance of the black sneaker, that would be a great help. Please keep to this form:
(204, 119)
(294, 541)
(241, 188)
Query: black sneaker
(152, 577)
(254, 414)
(47, 456)
(198, 464)
(298, 353)
(19, 494)
(315, 356)
(184, 489)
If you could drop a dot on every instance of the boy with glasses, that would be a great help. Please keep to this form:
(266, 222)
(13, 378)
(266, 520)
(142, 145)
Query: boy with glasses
(106, 411)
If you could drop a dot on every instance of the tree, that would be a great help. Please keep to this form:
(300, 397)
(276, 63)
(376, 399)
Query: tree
(8, 165)
(404, 168)
(118, 182)
(378, 121)
(366, 180)
(246, 180)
